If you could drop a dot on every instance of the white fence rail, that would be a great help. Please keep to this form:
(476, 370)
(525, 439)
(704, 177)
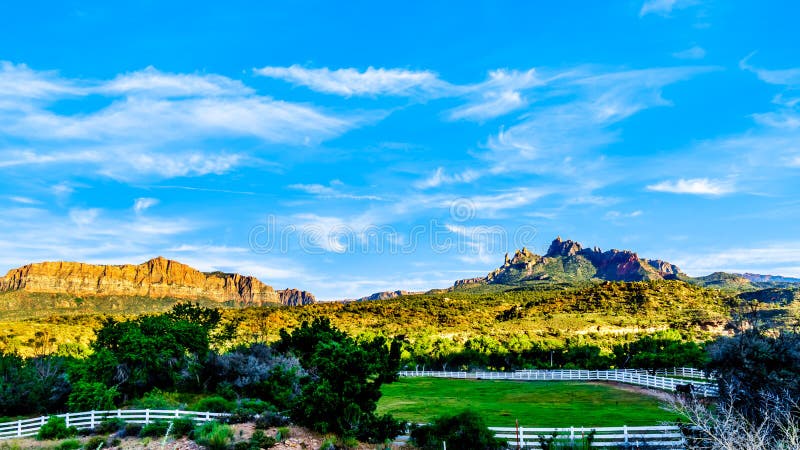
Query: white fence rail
(702, 388)
(663, 437)
(91, 419)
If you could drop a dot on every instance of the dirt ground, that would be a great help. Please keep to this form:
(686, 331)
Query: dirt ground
(299, 439)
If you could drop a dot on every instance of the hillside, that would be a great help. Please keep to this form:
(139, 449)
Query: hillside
(158, 278)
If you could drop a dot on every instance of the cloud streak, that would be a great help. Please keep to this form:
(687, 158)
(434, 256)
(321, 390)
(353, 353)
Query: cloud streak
(352, 82)
(693, 186)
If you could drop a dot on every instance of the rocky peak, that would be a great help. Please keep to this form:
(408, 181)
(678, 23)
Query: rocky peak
(560, 247)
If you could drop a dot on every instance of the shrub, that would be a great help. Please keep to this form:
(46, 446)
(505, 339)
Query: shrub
(241, 415)
(157, 399)
(95, 443)
(283, 434)
(182, 426)
(56, 428)
(213, 435)
(94, 396)
(156, 429)
(214, 404)
(465, 431)
(111, 425)
(381, 428)
(69, 444)
(133, 429)
(349, 442)
(328, 444)
(261, 440)
(269, 419)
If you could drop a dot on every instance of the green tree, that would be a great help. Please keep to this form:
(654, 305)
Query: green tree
(151, 351)
(341, 390)
(91, 396)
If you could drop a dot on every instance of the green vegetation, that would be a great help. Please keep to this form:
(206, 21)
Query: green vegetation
(214, 435)
(534, 404)
(466, 431)
(56, 428)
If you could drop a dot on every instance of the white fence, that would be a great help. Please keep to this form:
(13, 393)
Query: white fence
(91, 419)
(702, 388)
(663, 437)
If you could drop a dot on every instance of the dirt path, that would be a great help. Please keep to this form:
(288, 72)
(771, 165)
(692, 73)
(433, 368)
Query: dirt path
(664, 396)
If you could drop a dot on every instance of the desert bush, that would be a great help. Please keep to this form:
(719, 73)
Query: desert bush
(182, 426)
(111, 425)
(69, 444)
(155, 429)
(56, 428)
(283, 434)
(261, 440)
(95, 442)
(269, 419)
(464, 431)
(133, 429)
(214, 404)
(214, 435)
(158, 399)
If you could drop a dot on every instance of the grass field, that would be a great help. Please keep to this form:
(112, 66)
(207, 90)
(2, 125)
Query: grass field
(535, 404)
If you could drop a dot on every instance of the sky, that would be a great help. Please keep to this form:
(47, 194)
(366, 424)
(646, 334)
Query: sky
(349, 148)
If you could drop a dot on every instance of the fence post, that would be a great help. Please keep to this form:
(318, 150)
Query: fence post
(119, 413)
(19, 428)
(91, 420)
(572, 435)
(66, 419)
(147, 416)
(625, 432)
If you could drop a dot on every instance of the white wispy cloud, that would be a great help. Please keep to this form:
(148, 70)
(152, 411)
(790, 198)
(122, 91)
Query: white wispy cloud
(18, 81)
(323, 191)
(439, 178)
(664, 7)
(771, 258)
(144, 203)
(618, 215)
(152, 82)
(500, 94)
(353, 82)
(784, 77)
(694, 52)
(23, 200)
(579, 120)
(694, 186)
(156, 124)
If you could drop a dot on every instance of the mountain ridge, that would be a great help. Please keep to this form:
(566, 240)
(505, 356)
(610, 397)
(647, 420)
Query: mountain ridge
(569, 261)
(158, 278)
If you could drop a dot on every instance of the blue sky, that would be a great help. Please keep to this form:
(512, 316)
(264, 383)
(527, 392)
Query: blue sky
(352, 148)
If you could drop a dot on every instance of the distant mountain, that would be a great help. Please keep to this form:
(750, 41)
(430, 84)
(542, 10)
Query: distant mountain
(723, 280)
(757, 278)
(156, 278)
(386, 295)
(568, 261)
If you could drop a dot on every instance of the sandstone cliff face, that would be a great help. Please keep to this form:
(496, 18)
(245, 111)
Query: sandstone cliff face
(158, 277)
(294, 297)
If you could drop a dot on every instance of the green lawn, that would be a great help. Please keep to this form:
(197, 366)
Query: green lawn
(534, 403)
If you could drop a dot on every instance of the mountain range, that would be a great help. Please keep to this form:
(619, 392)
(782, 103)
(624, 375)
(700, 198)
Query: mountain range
(565, 262)
(569, 262)
(156, 278)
